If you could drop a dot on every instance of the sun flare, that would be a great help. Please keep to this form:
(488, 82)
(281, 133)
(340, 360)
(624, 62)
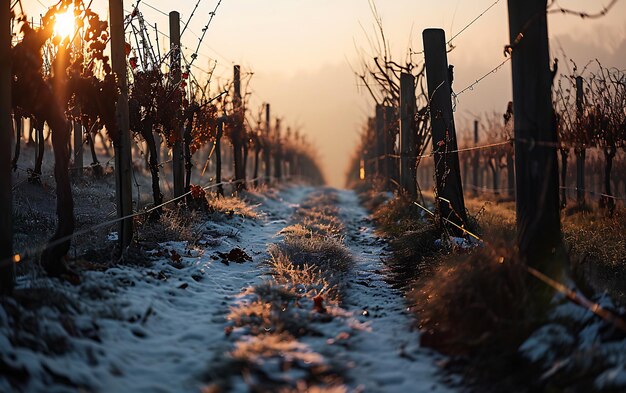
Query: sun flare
(64, 24)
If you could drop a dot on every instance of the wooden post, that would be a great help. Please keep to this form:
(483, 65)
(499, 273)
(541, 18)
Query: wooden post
(78, 149)
(370, 162)
(218, 156)
(580, 149)
(18, 123)
(380, 141)
(238, 132)
(123, 186)
(7, 273)
(408, 151)
(390, 138)
(449, 189)
(536, 169)
(278, 156)
(267, 147)
(257, 153)
(178, 162)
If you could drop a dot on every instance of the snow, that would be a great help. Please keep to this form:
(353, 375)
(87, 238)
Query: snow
(575, 343)
(544, 344)
(161, 328)
(156, 329)
(386, 356)
(458, 243)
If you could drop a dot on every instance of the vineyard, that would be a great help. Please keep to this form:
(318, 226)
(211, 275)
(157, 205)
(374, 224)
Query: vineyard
(160, 232)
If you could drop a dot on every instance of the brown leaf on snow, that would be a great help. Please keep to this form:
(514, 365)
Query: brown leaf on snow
(318, 304)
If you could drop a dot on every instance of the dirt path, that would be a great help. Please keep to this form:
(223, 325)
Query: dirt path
(388, 357)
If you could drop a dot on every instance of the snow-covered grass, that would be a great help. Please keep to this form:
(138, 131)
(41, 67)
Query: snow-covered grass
(269, 320)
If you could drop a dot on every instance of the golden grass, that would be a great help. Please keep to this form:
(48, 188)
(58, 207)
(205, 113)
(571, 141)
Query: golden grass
(475, 302)
(598, 250)
(231, 206)
(596, 242)
(325, 252)
(271, 308)
(597, 237)
(276, 345)
(305, 280)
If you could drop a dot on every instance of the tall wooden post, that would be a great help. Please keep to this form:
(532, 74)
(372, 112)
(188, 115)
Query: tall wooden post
(370, 153)
(408, 150)
(278, 155)
(123, 186)
(447, 169)
(580, 148)
(238, 132)
(536, 169)
(257, 153)
(78, 149)
(267, 147)
(380, 141)
(178, 162)
(7, 273)
(390, 138)
(218, 156)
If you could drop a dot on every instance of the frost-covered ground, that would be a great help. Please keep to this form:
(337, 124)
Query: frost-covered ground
(164, 326)
(160, 327)
(577, 347)
(386, 356)
(136, 329)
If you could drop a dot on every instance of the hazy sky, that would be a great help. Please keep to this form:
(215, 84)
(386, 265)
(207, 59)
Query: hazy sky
(300, 52)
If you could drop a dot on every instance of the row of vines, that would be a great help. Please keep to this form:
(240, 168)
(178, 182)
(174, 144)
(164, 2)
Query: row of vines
(66, 84)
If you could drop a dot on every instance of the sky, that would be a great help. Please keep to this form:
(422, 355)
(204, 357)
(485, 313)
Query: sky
(302, 53)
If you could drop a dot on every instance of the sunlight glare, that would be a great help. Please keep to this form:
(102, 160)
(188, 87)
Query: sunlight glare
(64, 24)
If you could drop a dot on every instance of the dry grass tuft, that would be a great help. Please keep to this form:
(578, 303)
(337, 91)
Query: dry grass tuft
(413, 253)
(320, 215)
(271, 308)
(231, 206)
(306, 280)
(597, 237)
(279, 363)
(276, 345)
(174, 224)
(598, 246)
(372, 194)
(296, 230)
(324, 252)
(479, 302)
(398, 216)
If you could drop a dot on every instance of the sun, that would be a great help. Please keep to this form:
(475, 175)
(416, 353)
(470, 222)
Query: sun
(64, 24)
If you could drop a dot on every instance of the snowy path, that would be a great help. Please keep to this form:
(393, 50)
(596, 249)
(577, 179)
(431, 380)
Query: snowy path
(158, 328)
(388, 357)
(161, 328)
